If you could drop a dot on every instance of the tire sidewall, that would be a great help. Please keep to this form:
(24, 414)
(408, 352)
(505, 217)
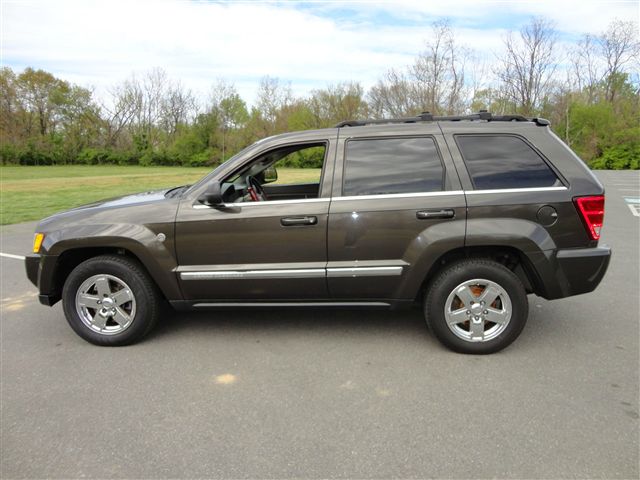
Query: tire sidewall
(131, 277)
(461, 272)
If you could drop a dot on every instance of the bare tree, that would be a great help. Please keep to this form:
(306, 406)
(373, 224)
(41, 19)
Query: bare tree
(177, 108)
(528, 64)
(393, 96)
(435, 82)
(586, 66)
(272, 97)
(335, 103)
(440, 71)
(124, 105)
(620, 47)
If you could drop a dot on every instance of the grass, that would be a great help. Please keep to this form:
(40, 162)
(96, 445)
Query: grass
(32, 193)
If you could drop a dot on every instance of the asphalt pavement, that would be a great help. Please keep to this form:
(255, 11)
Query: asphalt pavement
(327, 393)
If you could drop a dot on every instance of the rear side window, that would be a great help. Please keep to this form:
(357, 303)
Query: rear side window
(392, 165)
(495, 161)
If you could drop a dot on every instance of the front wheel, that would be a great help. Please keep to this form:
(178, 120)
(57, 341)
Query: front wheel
(476, 306)
(110, 300)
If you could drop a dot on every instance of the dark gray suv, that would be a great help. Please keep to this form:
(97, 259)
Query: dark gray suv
(462, 215)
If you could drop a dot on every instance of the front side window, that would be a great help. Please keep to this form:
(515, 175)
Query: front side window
(504, 161)
(291, 172)
(392, 165)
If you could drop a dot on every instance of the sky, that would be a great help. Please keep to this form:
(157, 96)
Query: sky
(311, 44)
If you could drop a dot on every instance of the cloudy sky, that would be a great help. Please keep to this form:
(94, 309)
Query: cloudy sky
(310, 44)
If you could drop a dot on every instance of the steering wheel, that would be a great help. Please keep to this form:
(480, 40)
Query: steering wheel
(255, 190)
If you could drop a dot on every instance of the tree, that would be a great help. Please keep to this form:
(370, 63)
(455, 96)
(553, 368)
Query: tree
(528, 65)
(40, 92)
(620, 47)
(273, 96)
(586, 66)
(336, 103)
(434, 83)
(393, 96)
(231, 112)
(178, 106)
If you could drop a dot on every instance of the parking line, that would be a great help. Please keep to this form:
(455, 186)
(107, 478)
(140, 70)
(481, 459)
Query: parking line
(10, 255)
(634, 205)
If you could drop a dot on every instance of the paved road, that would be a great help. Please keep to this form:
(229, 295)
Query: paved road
(328, 393)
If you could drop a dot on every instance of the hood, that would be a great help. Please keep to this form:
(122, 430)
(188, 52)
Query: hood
(96, 208)
(132, 199)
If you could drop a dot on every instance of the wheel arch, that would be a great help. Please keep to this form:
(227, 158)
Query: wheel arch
(514, 259)
(70, 258)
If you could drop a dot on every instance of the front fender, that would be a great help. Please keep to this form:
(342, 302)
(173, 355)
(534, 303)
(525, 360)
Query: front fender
(157, 256)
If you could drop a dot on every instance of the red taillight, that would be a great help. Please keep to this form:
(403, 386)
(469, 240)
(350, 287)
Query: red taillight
(592, 212)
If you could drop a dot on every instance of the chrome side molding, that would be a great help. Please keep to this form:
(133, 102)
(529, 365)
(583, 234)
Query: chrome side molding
(333, 272)
(254, 274)
(364, 272)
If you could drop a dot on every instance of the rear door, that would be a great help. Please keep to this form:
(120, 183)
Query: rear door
(397, 205)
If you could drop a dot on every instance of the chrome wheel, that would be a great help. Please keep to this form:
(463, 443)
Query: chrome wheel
(478, 310)
(105, 304)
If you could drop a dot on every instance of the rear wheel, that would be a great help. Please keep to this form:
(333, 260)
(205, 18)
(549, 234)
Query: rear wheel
(476, 306)
(110, 300)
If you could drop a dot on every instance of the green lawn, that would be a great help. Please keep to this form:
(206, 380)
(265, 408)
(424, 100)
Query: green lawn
(32, 193)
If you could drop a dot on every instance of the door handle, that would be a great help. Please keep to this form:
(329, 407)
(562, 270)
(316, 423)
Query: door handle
(291, 221)
(429, 214)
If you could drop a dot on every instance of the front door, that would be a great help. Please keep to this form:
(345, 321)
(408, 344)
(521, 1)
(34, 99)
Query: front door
(256, 249)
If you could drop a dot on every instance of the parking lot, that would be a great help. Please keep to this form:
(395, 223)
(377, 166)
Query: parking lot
(328, 393)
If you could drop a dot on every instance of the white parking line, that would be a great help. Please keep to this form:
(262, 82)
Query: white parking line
(634, 205)
(10, 255)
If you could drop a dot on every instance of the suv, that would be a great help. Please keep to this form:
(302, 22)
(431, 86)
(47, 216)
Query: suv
(465, 215)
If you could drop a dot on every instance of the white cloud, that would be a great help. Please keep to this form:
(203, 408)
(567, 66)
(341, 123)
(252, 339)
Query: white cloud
(100, 43)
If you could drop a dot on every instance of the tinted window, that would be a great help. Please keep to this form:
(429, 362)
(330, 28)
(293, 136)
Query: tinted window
(392, 165)
(504, 162)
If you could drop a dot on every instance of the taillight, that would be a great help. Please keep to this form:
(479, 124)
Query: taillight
(592, 212)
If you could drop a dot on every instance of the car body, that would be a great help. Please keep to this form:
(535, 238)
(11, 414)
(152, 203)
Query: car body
(350, 239)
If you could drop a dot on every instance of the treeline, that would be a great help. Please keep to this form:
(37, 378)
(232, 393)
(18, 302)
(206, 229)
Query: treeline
(589, 90)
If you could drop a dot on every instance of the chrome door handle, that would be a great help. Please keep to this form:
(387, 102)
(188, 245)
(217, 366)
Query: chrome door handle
(430, 214)
(291, 221)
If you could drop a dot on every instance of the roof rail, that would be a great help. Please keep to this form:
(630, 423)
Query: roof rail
(428, 117)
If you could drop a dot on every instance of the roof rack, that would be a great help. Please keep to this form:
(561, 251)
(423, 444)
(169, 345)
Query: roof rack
(428, 117)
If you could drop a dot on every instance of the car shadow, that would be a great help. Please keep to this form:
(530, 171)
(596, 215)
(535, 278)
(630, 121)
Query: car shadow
(286, 320)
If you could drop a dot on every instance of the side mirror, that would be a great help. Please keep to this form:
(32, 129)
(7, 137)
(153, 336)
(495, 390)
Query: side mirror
(270, 174)
(212, 195)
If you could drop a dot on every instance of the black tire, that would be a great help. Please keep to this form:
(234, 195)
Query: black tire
(144, 291)
(463, 271)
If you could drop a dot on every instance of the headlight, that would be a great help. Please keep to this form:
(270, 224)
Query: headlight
(37, 242)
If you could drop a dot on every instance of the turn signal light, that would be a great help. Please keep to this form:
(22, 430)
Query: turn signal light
(37, 242)
(592, 213)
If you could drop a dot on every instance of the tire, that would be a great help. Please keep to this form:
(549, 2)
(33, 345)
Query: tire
(110, 301)
(455, 314)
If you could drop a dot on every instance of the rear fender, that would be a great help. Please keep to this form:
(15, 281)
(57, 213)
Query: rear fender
(430, 245)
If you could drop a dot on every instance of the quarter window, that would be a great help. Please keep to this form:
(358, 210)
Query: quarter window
(496, 162)
(392, 165)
